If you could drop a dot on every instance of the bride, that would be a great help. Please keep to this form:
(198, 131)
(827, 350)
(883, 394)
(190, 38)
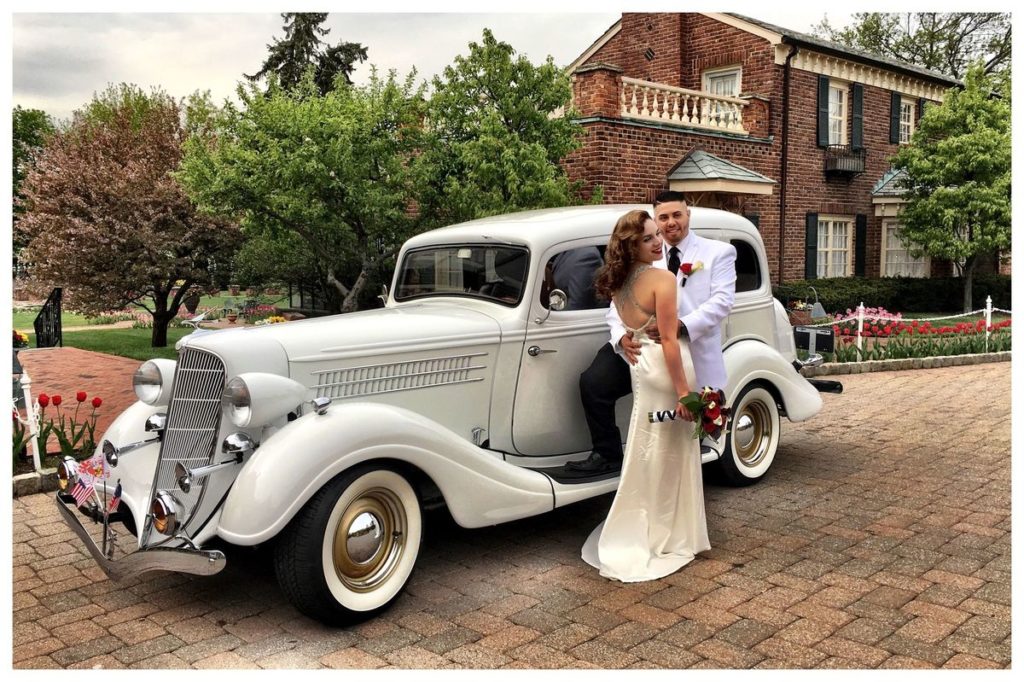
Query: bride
(656, 523)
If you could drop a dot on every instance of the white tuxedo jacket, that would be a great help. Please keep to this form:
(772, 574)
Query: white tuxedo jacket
(704, 303)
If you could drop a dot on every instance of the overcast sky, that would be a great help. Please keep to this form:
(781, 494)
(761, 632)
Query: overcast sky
(61, 58)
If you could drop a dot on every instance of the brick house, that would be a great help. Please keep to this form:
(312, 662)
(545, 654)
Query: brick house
(790, 130)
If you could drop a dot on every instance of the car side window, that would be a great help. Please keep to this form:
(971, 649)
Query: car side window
(748, 267)
(573, 271)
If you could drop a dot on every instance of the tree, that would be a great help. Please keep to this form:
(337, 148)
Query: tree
(302, 50)
(503, 126)
(30, 130)
(339, 170)
(105, 219)
(958, 178)
(947, 42)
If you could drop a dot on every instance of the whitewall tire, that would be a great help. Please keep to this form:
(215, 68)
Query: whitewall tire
(751, 437)
(347, 555)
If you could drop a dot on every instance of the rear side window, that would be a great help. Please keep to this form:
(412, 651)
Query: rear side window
(748, 266)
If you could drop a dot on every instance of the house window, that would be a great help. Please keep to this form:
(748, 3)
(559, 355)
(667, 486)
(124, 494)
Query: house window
(896, 258)
(834, 246)
(837, 107)
(724, 82)
(906, 119)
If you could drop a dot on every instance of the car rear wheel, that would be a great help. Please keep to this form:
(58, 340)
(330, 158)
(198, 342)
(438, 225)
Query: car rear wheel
(347, 555)
(751, 437)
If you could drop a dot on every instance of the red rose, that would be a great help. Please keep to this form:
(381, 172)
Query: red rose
(57, 400)
(686, 269)
(96, 402)
(713, 412)
(81, 396)
(44, 400)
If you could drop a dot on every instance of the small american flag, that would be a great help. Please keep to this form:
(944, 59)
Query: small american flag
(116, 499)
(81, 492)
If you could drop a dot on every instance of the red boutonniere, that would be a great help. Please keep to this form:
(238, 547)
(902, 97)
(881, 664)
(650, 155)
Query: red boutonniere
(688, 269)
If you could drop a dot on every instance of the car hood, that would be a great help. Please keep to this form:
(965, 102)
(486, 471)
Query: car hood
(367, 333)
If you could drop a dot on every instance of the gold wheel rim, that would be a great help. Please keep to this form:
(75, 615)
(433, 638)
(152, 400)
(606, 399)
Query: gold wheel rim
(754, 421)
(369, 540)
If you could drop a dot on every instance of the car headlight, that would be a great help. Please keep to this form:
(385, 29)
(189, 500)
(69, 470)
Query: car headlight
(152, 381)
(255, 398)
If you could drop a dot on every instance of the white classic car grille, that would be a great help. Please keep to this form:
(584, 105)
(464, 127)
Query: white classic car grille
(193, 420)
(398, 376)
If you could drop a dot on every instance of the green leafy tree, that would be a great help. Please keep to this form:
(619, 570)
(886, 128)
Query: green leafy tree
(958, 178)
(302, 50)
(947, 42)
(503, 125)
(105, 219)
(30, 130)
(337, 170)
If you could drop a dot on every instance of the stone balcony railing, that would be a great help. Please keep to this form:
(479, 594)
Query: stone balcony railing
(649, 101)
(601, 90)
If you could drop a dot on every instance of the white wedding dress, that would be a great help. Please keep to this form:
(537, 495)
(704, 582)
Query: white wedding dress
(656, 524)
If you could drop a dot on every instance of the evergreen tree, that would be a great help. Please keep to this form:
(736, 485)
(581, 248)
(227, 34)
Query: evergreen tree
(302, 49)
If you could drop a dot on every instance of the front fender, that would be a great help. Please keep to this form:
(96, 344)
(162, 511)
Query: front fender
(751, 360)
(479, 488)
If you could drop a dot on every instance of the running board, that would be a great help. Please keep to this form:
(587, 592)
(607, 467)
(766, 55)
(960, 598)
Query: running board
(566, 476)
(826, 386)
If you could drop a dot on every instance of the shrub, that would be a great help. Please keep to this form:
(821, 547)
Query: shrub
(906, 294)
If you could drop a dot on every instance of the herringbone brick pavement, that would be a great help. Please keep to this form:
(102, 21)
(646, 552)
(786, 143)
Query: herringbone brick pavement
(880, 539)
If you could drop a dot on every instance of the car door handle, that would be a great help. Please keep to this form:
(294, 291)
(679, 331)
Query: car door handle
(534, 351)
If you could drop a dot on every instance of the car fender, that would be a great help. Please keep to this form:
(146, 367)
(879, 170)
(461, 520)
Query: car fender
(750, 360)
(135, 467)
(479, 487)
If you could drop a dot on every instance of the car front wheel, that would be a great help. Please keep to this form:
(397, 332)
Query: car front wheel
(752, 436)
(347, 555)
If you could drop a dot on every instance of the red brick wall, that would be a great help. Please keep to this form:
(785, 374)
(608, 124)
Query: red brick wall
(658, 32)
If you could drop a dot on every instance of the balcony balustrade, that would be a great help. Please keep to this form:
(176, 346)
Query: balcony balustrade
(647, 101)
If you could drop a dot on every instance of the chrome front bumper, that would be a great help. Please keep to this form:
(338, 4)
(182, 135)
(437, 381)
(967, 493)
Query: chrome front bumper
(177, 559)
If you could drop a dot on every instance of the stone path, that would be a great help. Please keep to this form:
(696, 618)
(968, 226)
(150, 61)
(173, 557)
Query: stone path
(880, 539)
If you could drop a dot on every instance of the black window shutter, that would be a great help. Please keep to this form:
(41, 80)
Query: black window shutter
(894, 119)
(922, 106)
(822, 111)
(754, 218)
(811, 247)
(857, 136)
(860, 245)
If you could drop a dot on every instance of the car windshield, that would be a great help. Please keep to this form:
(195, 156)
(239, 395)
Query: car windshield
(494, 272)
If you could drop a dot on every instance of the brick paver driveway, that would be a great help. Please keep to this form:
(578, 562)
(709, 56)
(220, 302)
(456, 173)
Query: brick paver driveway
(881, 538)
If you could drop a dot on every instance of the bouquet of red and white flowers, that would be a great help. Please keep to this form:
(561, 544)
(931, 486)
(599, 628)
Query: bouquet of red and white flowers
(708, 405)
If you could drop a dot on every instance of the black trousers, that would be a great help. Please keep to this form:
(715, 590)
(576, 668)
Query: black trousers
(601, 385)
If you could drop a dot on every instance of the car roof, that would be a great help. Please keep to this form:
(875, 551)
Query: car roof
(541, 228)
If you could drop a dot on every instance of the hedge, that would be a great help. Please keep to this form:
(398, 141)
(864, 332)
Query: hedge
(898, 294)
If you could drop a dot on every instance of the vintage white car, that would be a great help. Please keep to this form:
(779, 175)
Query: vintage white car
(327, 437)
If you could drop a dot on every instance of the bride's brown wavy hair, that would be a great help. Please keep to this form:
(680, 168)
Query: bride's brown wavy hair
(621, 253)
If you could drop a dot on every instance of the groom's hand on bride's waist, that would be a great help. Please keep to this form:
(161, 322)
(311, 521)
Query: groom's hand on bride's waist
(655, 335)
(630, 347)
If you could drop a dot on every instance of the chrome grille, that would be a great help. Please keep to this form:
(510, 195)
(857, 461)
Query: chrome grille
(193, 420)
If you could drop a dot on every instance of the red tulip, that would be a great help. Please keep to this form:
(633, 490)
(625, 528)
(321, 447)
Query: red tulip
(44, 400)
(96, 402)
(57, 400)
(81, 396)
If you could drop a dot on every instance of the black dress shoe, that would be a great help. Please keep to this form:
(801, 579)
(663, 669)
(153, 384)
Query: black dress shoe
(595, 463)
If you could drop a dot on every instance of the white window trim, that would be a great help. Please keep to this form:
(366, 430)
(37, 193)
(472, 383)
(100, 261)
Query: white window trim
(913, 123)
(850, 246)
(886, 222)
(719, 71)
(845, 87)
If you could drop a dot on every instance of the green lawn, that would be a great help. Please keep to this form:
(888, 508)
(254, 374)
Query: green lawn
(23, 319)
(128, 343)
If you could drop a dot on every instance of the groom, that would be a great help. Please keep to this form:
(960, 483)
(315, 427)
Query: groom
(706, 272)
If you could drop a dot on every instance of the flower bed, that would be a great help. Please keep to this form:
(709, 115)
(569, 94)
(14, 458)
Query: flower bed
(75, 433)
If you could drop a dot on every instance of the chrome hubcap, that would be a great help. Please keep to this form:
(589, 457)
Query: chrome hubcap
(369, 540)
(752, 433)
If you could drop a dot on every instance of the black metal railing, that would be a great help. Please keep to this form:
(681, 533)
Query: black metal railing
(49, 332)
(843, 159)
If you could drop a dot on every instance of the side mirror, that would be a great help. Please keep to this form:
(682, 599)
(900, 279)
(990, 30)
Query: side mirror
(557, 300)
(383, 295)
